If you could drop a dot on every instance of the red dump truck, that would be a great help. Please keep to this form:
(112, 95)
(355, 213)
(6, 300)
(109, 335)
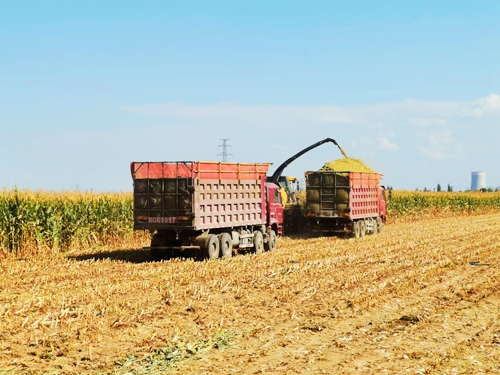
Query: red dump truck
(211, 208)
(353, 203)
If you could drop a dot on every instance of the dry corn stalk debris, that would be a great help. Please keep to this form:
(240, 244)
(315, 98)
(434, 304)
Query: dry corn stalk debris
(407, 300)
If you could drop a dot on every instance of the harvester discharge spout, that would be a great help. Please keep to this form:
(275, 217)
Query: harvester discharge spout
(276, 175)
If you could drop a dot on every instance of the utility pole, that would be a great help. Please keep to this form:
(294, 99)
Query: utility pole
(224, 146)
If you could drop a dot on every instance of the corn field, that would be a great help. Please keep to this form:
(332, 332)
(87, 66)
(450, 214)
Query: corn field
(58, 222)
(61, 221)
(412, 204)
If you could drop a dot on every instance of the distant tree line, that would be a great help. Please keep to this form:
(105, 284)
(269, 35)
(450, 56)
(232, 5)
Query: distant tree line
(450, 189)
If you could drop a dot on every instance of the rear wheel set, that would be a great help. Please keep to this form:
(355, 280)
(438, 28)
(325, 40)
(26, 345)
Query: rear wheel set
(366, 226)
(226, 245)
(212, 247)
(356, 229)
(258, 242)
(374, 226)
(380, 225)
(216, 246)
(359, 229)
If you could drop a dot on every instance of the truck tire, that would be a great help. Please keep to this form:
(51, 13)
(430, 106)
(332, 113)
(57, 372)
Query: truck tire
(270, 245)
(226, 245)
(258, 242)
(357, 229)
(375, 226)
(212, 248)
(380, 225)
(362, 224)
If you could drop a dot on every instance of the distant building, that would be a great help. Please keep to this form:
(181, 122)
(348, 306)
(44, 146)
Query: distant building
(478, 180)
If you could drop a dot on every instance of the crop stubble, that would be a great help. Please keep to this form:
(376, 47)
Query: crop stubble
(408, 299)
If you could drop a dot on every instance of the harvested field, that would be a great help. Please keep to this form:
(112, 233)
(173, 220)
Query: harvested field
(420, 298)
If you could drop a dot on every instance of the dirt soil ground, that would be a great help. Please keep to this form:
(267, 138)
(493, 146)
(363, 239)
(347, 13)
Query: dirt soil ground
(420, 298)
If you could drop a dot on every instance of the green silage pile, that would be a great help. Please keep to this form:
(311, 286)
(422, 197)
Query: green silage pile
(346, 165)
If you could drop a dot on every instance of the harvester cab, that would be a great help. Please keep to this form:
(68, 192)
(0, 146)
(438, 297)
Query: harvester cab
(289, 189)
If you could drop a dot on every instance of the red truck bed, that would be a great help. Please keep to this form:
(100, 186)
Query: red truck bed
(353, 195)
(198, 195)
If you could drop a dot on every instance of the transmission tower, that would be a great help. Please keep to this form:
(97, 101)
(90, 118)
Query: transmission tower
(224, 146)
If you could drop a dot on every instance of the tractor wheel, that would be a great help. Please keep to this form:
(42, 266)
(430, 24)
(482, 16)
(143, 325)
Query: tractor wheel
(226, 245)
(212, 249)
(270, 245)
(258, 242)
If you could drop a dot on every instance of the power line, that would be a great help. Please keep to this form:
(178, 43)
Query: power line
(224, 146)
(36, 138)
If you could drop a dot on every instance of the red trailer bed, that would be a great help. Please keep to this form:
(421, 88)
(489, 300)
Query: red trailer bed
(198, 195)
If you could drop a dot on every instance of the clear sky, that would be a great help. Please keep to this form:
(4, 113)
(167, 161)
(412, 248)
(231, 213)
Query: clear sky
(410, 87)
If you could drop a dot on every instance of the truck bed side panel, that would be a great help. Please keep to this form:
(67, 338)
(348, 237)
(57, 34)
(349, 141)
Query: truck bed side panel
(363, 196)
(228, 203)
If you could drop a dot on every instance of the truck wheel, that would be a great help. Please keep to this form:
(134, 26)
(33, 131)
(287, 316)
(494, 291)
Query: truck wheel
(258, 242)
(226, 245)
(212, 249)
(270, 245)
(380, 225)
(357, 229)
(362, 225)
(374, 226)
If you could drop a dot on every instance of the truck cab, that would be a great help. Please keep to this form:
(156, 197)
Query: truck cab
(382, 198)
(274, 208)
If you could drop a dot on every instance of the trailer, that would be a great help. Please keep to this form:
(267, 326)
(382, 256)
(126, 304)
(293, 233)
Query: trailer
(211, 209)
(352, 203)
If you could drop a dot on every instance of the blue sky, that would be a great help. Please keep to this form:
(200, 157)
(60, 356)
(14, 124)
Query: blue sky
(412, 88)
